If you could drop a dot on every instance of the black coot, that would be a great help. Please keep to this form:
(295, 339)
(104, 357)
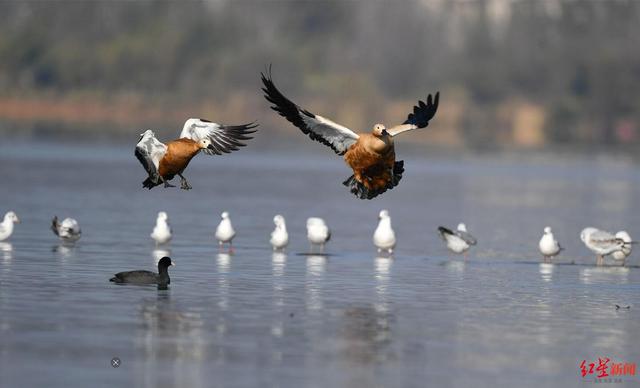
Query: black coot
(146, 277)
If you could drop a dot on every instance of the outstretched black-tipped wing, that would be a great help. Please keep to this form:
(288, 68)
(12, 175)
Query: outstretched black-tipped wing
(321, 129)
(420, 117)
(223, 138)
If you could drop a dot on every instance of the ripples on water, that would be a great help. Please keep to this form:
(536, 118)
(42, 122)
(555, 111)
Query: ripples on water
(352, 319)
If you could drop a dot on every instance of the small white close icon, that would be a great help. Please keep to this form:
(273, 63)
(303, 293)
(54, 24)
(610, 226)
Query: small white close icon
(115, 362)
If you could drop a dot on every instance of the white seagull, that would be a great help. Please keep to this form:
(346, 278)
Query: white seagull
(318, 232)
(68, 230)
(162, 231)
(6, 226)
(458, 241)
(602, 243)
(279, 237)
(384, 238)
(225, 232)
(622, 254)
(549, 246)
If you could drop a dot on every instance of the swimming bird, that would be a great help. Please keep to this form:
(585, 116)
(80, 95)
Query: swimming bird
(279, 237)
(549, 246)
(371, 156)
(225, 232)
(384, 237)
(318, 233)
(146, 277)
(162, 231)
(458, 241)
(625, 252)
(68, 230)
(602, 243)
(6, 226)
(164, 161)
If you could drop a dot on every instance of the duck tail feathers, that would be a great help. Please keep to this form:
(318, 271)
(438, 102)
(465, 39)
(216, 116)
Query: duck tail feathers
(361, 191)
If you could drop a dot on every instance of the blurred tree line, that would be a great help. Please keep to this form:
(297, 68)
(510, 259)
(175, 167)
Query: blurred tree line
(537, 71)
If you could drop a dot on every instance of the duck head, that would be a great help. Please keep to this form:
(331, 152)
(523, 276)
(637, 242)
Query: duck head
(204, 143)
(379, 130)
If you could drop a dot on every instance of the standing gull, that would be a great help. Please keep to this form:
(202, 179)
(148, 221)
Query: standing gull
(6, 226)
(162, 231)
(602, 243)
(68, 230)
(279, 237)
(384, 238)
(625, 252)
(549, 246)
(458, 241)
(164, 161)
(371, 156)
(225, 232)
(318, 233)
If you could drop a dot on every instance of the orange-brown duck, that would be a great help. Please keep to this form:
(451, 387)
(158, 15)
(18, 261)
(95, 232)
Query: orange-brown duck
(164, 161)
(371, 156)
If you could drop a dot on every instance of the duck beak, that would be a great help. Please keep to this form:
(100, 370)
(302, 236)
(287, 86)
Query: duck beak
(385, 133)
(173, 264)
(17, 220)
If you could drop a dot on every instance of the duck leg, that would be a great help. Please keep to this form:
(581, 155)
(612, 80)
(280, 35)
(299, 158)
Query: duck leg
(599, 260)
(166, 183)
(184, 185)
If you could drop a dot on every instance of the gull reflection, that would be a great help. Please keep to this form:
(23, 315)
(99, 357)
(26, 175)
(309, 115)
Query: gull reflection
(7, 252)
(159, 253)
(169, 333)
(455, 265)
(615, 275)
(224, 264)
(65, 251)
(278, 262)
(223, 261)
(546, 271)
(382, 269)
(315, 272)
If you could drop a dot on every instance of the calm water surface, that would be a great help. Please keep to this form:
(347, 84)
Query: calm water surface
(351, 319)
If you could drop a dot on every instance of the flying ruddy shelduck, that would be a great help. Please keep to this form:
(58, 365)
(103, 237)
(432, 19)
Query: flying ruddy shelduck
(371, 156)
(164, 161)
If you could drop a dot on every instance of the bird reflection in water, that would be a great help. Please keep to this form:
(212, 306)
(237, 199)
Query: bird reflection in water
(278, 261)
(382, 269)
(546, 271)
(172, 344)
(65, 251)
(609, 275)
(367, 335)
(315, 273)
(6, 249)
(223, 261)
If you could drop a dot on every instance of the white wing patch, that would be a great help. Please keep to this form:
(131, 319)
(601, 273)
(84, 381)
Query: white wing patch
(223, 138)
(339, 137)
(149, 152)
